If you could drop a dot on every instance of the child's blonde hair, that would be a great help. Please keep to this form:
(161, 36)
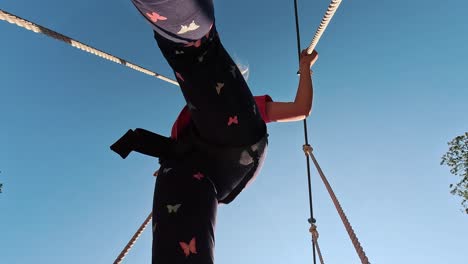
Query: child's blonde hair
(243, 68)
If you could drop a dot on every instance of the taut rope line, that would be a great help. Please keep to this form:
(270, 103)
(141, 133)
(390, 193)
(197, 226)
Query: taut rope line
(21, 22)
(133, 240)
(306, 138)
(324, 24)
(352, 235)
(308, 149)
(318, 34)
(315, 236)
(50, 33)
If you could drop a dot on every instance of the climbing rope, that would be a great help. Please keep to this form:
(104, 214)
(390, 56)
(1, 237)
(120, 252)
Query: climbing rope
(50, 33)
(318, 34)
(324, 24)
(315, 236)
(352, 235)
(311, 207)
(133, 240)
(308, 149)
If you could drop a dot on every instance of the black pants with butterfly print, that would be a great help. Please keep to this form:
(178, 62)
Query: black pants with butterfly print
(229, 135)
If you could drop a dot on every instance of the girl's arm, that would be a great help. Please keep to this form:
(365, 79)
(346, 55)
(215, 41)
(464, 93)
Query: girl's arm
(302, 105)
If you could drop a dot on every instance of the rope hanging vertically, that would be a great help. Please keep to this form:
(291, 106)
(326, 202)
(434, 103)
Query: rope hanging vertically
(308, 149)
(50, 33)
(133, 240)
(311, 207)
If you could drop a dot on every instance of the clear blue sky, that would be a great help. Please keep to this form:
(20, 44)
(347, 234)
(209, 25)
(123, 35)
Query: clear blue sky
(391, 89)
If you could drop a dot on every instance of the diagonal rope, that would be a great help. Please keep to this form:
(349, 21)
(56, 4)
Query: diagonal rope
(332, 8)
(349, 228)
(315, 236)
(12, 19)
(133, 240)
(318, 34)
(324, 24)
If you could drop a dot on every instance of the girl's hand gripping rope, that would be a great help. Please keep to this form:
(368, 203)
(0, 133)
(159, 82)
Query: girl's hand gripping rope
(307, 60)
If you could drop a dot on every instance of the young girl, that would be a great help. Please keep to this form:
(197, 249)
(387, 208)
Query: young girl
(218, 142)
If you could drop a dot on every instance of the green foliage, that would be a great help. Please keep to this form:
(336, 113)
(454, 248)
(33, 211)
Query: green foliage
(457, 159)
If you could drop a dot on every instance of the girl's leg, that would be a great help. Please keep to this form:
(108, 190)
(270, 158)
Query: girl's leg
(223, 109)
(184, 216)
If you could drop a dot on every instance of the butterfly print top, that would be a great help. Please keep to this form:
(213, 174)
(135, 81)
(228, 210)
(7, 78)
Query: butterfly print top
(183, 120)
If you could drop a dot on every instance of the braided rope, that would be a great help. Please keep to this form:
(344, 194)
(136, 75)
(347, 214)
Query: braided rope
(315, 236)
(323, 25)
(133, 240)
(352, 235)
(12, 19)
(318, 34)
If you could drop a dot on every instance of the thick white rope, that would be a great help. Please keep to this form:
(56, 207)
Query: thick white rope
(50, 33)
(323, 25)
(133, 240)
(352, 235)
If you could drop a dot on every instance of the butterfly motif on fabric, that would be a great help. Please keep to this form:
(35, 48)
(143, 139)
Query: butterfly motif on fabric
(219, 86)
(166, 170)
(155, 17)
(189, 248)
(195, 44)
(179, 52)
(173, 208)
(254, 109)
(199, 176)
(179, 76)
(191, 27)
(233, 120)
